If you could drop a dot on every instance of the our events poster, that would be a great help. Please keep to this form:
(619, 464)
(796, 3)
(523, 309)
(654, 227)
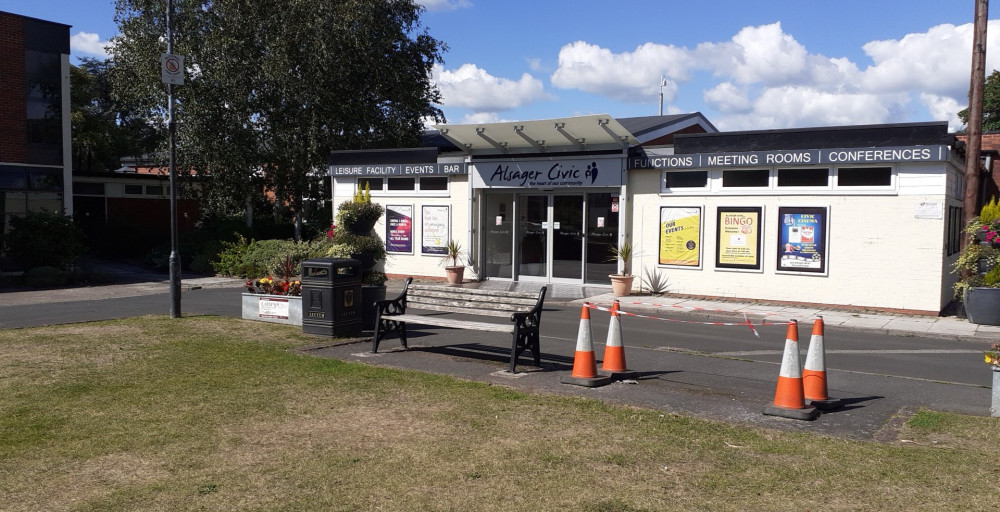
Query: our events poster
(436, 234)
(802, 239)
(738, 236)
(680, 236)
(399, 229)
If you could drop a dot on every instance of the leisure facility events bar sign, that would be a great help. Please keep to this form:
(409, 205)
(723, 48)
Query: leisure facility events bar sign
(793, 157)
(398, 169)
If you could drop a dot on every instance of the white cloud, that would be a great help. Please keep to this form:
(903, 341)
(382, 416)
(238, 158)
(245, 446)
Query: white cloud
(943, 108)
(764, 78)
(631, 76)
(763, 54)
(473, 88)
(88, 44)
(444, 5)
(798, 106)
(727, 98)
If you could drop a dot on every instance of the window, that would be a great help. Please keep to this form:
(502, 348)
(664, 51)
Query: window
(133, 190)
(741, 179)
(45, 179)
(439, 183)
(864, 176)
(954, 241)
(154, 190)
(88, 189)
(396, 184)
(13, 178)
(803, 177)
(372, 184)
(685, 179)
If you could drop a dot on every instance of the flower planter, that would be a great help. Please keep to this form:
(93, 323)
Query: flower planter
(621, 285)
(279, 309)
(982, 305)
(362, 226)
(455, 275)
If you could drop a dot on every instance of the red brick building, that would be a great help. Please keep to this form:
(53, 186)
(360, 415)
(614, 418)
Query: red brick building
(35, 151)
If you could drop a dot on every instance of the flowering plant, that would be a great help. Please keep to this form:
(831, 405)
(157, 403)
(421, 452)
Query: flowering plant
(992, 356)
(268, 286)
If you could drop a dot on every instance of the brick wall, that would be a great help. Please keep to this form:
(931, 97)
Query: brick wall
(13, 122)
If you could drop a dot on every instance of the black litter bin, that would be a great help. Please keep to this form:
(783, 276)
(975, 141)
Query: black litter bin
(331, 297)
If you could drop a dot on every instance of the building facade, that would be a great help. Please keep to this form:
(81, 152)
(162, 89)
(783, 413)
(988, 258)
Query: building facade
(35, 150)
(867, 216)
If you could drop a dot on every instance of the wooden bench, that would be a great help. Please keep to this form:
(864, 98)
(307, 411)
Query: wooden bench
(523, 309)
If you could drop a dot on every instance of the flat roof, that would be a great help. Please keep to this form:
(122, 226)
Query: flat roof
(582, 133)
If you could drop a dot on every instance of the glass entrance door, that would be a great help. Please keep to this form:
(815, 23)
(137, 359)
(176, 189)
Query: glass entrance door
(534, 239)
(567, 237)
(549, 237)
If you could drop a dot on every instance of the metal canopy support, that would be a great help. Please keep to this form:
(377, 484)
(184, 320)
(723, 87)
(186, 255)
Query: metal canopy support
(623, 139)
(537, 144)
(578, 142)
(502, 146)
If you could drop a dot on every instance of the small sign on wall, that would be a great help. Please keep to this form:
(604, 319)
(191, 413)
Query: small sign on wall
(929, 210)
(270, 307)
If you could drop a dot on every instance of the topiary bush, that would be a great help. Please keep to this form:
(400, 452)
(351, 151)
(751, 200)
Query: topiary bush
(42, 239)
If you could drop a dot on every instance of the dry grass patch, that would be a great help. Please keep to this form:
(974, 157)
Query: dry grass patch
(219, 414)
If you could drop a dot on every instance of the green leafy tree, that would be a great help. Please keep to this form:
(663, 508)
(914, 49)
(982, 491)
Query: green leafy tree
(991, 104)
(103, 130)
(274, 85)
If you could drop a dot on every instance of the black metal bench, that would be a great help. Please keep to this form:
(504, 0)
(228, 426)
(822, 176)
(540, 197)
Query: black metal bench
(524, 310)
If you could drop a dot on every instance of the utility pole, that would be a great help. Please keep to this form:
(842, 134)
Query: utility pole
(975, 126)
(175, 260)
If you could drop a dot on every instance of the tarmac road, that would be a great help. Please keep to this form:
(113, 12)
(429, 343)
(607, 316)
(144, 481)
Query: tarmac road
(686, 365)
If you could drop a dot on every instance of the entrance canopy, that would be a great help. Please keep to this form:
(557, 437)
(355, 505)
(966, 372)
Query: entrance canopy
(584, 133)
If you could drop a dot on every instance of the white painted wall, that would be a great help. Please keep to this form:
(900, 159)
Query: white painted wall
(417, 264)
(880, 255)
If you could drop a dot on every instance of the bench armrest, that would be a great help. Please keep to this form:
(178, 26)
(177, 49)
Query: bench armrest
(396, 306)
(531, 318)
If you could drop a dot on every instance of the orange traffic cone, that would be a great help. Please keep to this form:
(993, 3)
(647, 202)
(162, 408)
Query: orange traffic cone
(814, 374)
(614, 352)
(584, 362)
(789, 401)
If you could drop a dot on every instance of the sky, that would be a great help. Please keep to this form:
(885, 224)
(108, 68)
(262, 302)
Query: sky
(745, 65)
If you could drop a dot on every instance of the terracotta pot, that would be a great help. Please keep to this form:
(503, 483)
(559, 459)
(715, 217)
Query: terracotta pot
(621, 285)
(455, 274)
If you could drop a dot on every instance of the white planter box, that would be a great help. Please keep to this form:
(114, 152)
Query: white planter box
(279, 309)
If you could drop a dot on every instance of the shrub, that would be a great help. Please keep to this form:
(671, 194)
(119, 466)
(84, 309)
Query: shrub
(256, 258)
(45, 277)
(44, 240)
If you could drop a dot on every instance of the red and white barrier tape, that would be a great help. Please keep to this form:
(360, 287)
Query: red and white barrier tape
(746, 320)
(694, 308)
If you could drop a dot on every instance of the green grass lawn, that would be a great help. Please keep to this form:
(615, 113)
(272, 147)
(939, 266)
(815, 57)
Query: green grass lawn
(208, 413)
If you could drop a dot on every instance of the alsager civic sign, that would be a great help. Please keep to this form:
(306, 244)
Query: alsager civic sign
(589, 172)
(793, 157)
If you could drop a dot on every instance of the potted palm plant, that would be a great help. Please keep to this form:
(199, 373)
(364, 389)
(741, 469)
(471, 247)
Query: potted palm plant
(621, 283)
(454, 272)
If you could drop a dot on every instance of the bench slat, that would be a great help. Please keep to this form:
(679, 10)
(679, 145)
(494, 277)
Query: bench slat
(467, 305)
(459, 310)
(528, 302)
(450, 322)
(475, 291)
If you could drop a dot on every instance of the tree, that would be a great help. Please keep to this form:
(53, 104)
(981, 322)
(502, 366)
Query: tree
(274, 85)
(103, 131)
(991, 104)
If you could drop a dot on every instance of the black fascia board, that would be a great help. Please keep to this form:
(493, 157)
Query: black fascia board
(864, 136)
